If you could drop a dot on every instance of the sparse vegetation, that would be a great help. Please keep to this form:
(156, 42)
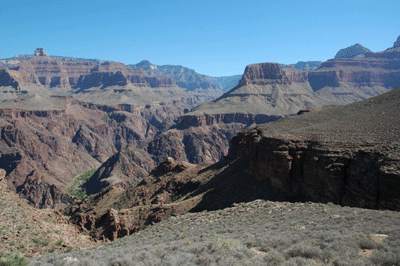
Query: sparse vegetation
(221, 242)
(76, 188)
(13, 260)
(255, 233)
(30, 232)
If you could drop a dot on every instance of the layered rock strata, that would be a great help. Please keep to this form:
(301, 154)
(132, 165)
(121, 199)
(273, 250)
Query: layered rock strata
(347, 155)
(41, 69)
(43, 150)
(264, 94)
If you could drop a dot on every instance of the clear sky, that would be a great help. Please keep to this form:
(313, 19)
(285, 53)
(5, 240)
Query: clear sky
(215, 38)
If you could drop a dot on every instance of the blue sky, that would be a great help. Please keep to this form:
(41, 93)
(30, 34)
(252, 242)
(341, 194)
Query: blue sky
(216, 38)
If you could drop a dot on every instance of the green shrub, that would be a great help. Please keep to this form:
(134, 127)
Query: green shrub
(13, 260)
(304, 250)
(221, 242)
(76, 188)
(385, 258)
(38, 242)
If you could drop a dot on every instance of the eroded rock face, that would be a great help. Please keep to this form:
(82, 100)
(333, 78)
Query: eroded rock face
(129, 166)
(42, 150)
(346, 155)
(366, 71)
(264, 73)
(6, 79)
(295, 75)
(53, 73)
(173, 188)
(40, 52)
(45, 70)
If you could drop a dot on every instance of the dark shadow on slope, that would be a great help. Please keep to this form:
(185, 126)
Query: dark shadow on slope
(233, 185)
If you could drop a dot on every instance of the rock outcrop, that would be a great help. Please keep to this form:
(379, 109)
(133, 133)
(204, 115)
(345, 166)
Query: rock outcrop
(40, 52)
(50, 72)
(128, 166)
(396, 44)
(173, 188)
(356, 74)
(295, 75)
(264, 74)
(264, 89)
(347, 155)
(7, 79)
(356, 50)
(116, 74)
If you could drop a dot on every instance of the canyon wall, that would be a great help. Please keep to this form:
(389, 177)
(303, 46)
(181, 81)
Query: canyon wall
(347, 155)
(43, 150)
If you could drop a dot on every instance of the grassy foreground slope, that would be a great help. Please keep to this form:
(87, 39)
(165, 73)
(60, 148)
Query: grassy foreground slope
(255, 233)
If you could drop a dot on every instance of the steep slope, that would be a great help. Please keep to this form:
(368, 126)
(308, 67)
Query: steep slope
(348, 155)
(45, 70)
(263, 89)
(173, 188)
(27, 230)
(43, 149)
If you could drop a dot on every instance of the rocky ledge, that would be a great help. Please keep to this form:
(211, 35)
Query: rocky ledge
(263, 74)
(348, 155)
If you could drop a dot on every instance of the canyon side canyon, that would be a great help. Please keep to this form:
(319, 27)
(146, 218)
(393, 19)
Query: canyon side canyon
(60, 117)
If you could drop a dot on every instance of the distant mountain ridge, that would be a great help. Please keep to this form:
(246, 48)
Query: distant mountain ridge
(305, 66)
(184, 77)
